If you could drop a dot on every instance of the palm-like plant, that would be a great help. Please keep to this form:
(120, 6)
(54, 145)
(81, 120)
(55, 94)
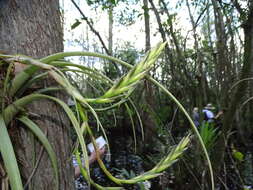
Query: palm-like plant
(209, 134)
(55, 66)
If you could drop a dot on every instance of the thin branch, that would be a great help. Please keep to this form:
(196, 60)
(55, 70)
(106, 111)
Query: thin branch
(200, 15)
(95, 32)
(158, 20)
(91, 27)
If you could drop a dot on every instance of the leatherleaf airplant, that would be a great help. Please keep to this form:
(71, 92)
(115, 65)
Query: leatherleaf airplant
(118, 92)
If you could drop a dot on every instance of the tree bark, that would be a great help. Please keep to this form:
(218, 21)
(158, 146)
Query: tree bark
(241, 89)
(110, 40)
(222, 54)
(147, 27)
(149, 123)
(33, 28)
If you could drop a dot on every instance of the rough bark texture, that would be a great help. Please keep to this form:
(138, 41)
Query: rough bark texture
(33, 28)
(30, 27)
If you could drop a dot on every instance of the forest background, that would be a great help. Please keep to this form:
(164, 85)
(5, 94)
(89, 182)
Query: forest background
(208, 58)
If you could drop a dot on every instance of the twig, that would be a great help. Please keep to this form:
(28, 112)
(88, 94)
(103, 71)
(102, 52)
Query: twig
(95, 32)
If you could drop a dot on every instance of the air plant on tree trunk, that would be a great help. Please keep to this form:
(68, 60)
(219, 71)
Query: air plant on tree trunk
(55, 67)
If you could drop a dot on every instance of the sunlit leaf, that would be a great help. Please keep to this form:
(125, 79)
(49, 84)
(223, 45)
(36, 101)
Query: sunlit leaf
(76, 24)
(238, 155)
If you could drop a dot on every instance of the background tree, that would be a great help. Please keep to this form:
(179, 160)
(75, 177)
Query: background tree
(246, 17)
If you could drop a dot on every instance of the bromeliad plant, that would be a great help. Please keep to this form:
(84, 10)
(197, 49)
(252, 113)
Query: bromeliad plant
(118, 93)
(209, 134)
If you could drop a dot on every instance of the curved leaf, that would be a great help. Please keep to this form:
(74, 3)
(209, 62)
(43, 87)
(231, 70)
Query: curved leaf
(9, 157)
(194, 128)
(14, 108)
(43, 139)
(76, 24)
(130, 113)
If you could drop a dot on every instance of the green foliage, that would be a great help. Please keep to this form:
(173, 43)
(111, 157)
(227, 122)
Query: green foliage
(237, 154)
(76, 24)
(9, 158)
(120, 89)
(105, 4)
(208, 134)
(43, 139)
(127, 17)
(125, 173)
(127, 53)
(145, 185)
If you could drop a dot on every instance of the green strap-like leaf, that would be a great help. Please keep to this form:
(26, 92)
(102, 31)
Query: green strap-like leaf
(77, 128)
(43, 139)
(13, 109)
(9, 157)
(133, 126)
(194, 128)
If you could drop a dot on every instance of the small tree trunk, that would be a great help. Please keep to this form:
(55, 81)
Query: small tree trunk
(110, 41)
(241, 89)
(148, 92)
(222, 54)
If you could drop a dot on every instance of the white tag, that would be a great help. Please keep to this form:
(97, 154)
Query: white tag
(70, 102)
(100, 141)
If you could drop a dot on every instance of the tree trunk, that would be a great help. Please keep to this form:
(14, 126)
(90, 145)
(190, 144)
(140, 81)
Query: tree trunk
(241, 89)
(222, 54)
(148, 91)
(33, 28)
(110, 40)
(147, 27)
